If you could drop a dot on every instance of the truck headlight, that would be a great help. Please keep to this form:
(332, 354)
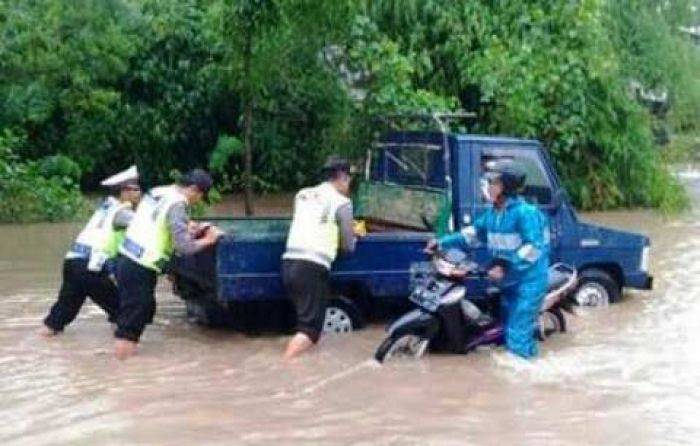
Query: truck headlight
(644, 261)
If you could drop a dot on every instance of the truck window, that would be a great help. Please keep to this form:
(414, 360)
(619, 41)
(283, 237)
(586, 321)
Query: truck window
(405, 190)
(410, 165)
(538, 188)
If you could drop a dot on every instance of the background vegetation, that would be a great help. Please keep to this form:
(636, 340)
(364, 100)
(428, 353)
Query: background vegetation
(261, 91)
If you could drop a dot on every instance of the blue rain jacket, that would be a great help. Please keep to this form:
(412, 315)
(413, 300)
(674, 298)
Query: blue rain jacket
(517, 238)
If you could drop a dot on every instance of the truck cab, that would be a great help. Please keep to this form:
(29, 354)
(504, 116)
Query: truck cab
(608, 260)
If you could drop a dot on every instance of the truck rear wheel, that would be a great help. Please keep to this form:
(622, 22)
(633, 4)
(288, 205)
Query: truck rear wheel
(596, 288)
(204, 313)
(342, 316)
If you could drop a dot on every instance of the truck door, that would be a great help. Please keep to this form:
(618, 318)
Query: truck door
(539, 184)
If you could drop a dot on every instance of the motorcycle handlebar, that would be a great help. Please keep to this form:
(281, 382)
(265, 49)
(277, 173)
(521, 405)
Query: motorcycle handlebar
(472, 273)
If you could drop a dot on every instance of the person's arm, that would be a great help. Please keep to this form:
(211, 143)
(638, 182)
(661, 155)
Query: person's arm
(185, 243)
(469, 236)
(347, 236)
(122, 218)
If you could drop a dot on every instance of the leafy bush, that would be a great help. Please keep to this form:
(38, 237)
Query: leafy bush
(29, 193)
(163, 84)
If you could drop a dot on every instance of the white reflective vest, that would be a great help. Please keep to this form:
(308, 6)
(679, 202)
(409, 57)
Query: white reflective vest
(99, 235)
(148, 240)
(314, 233)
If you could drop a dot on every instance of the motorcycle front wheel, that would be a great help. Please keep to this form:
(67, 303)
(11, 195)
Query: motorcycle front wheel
(550, 322)
(405, 345)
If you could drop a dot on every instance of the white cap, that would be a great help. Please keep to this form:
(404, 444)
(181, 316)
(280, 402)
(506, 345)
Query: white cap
(125, 176)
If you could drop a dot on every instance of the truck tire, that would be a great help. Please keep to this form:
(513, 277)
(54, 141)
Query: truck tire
(342, 316)
(197, 313)
(596, 288)
(405, 345)
(206, 314)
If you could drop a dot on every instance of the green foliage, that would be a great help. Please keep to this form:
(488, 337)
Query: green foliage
(219, 161)
(30, 191)
(388, 73)
(166, 84)
(226, 147)
(59, 166)
(555, 71)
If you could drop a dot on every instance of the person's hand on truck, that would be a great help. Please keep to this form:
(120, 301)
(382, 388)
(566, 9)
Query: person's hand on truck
(198, 228)
(205, 232)
(212, 233)
(431, 246)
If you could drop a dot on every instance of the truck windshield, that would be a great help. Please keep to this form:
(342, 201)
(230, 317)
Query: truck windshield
(406, 190)
(409, 165)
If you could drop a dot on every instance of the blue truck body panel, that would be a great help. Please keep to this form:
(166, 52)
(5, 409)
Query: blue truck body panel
(249, 269)
(248, 264)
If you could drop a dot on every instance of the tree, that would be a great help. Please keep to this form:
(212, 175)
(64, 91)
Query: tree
(251, 31)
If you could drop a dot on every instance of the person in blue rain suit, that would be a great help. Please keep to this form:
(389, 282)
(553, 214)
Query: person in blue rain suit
(516, 234)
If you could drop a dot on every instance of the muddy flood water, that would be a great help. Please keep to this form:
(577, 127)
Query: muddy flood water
(626, 374)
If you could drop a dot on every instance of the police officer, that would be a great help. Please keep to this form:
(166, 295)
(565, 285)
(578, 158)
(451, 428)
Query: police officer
(322, 224)
(87, 265)
(517, 238)
(159, 229)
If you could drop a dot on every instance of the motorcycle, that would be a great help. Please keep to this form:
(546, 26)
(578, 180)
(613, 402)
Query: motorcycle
(447, 319)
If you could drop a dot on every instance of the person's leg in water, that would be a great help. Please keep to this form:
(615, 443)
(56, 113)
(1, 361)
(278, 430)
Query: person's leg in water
(299, 343)
(307, 285)
(137, 305)
(506, 302)
(78, 283)
(523, 307)
(103, 291)
(70, 298)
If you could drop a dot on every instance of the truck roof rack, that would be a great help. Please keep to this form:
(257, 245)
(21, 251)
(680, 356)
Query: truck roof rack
(442, 119)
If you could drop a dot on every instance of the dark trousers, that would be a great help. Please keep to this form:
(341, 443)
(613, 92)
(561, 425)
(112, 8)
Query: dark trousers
(79, 283)
(306, 284)
(137, 285)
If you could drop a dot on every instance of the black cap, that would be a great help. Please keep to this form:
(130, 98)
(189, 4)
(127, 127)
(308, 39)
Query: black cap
(334, 165)
(198, 178)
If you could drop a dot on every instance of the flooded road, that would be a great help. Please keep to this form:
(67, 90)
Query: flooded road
(627, 374)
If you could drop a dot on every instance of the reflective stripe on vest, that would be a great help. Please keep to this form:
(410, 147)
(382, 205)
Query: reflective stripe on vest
(314, 232)
(99, 233)
(148, 241)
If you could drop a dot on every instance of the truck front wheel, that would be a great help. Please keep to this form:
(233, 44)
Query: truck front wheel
(596, 288)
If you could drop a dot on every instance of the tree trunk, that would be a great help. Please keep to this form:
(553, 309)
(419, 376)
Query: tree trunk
(248, 125)
(248, 157)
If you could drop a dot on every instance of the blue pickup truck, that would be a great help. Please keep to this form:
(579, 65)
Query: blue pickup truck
(414, 185)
